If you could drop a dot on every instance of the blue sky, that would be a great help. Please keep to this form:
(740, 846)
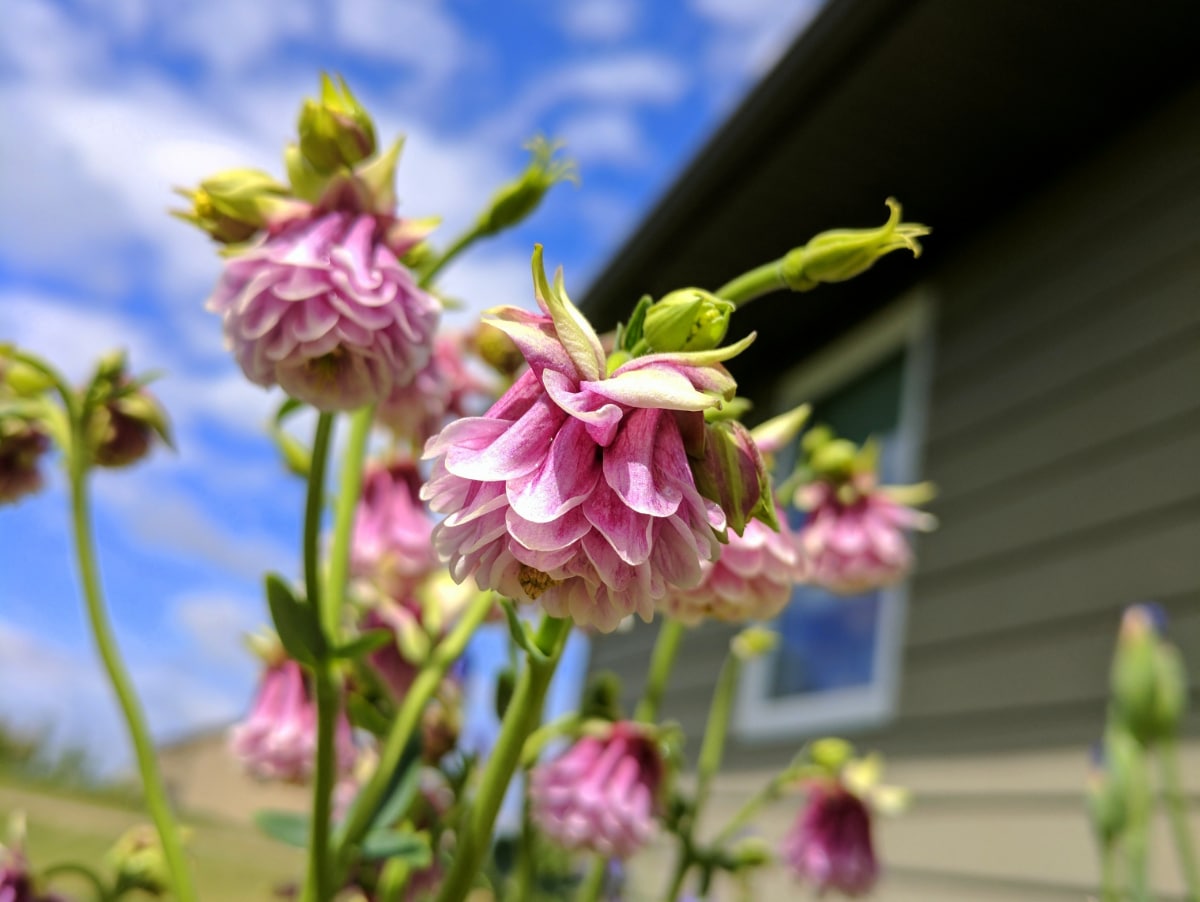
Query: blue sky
(109, 103)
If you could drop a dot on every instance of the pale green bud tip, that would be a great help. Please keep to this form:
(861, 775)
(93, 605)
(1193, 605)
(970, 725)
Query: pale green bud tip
(232, 205)
(690, 319)
(841, 254)
(753, 642)
(335, 131)
(778, 432)
(520, 197)
(831, 754)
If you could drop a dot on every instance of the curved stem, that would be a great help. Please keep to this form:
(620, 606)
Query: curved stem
(662, 659)
(103, 893)
(1108, 873)
(318, 886)
(524, 712)
(349, 490)
(593, 883)
(407, 720)
(1177, 810)
(135, 720)
(712, 748)
(460, 244)
(761, 280)
(681, 871)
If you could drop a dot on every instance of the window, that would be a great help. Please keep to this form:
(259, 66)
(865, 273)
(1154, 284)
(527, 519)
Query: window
(837, 663)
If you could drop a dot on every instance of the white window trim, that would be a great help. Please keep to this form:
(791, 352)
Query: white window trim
(906, 324)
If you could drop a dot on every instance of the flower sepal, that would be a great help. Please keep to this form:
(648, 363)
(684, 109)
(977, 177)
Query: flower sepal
(335, 130)
(733, 474)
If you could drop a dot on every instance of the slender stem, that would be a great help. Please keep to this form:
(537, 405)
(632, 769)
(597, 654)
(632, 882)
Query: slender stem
(526, 869)
(750, 808)
(1108, 873)
(103, 893)
(1137, 831)
(1177, 810)
(712, 748)
(319, 886)
(593, 884)
(682, 866)
(662, 659)
(408, 718)
(349, 489)
(461, 243)
(765, 279)
(135, 720)
(524, 713)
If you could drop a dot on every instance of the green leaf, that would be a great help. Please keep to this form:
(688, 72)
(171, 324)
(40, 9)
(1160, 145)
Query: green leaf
(632, 333)
(366, 716)
(363, 645)
(295, 622)
(400, 792)
(392, 844)
(287, 827)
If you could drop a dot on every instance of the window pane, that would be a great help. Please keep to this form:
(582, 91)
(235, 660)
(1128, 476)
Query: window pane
(829, 641)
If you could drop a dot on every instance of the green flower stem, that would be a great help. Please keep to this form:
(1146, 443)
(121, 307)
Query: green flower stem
(106, 643)
(102, 892)
(521, 719)
(682, 866)
(460, 244)
(1137, 839)
(1109, 891)
(349, 490)
(765, 279)
(662, 659)
(593, 884)
(319, 885)
(526, 868)
(407, 720)
(768, 793)
(1177, 810)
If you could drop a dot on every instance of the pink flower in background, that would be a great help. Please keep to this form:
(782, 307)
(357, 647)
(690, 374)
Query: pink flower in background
(601, 794)
(391, 545)
(751, 580)
(16, 881)
(854, 538)
(444, 388)
(830, 846)
(323, 307)
(575, 488)
(278, 740)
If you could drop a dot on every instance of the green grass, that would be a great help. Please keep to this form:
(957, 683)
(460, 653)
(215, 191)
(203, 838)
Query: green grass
(231, 862)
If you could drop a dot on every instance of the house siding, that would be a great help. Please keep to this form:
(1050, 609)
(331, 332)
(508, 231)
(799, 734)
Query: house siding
(1064, 434)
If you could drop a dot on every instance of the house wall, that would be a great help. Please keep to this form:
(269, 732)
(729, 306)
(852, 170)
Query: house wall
(1064, 434)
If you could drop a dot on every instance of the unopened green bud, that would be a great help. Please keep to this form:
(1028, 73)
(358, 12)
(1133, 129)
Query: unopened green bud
(498, 350)
(1149, 688)
(138, 862)
(513, 202)
(831, 754)
(835, 459)
(733, 473)
(22, 380)
(690, 319)
(232, 205)
(842, 254)
(336, 132)
(1113, 762)
(753, 642)
(749, 852)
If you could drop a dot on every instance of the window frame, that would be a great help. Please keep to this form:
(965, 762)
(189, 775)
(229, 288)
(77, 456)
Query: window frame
(907, 325)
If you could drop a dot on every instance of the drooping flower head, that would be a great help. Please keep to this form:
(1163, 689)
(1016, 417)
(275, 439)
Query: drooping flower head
(124, 419)
(445, 387)
(575, 488)
(854, 538)
(751, 580)
(322, 306)
(601, 795)
(278, 739)
(830, 845)
(23, 443)
(391, 545)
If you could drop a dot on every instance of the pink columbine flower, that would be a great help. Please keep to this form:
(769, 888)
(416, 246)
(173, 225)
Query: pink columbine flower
(830, 846)
(16, 881)
(751, 580)
(853, 540)
(575, 489)
(601, 795)
(445, 387)
(392, 545)
(278, 740)
(322, 306)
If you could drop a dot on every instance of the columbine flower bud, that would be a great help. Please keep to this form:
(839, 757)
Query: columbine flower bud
(1115, 785)
(520, 197)
(138, 862)
(122, 429)
(497, 350)
(233, 204)
(687, 320)
(23, 442)
(335, 131)
(1149, 688)
(733, 474)
(841, 254)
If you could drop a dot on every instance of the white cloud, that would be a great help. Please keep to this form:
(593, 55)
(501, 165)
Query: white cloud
(599, 20)
(610, 136)
(417, 33)
(232, 35)
(752, 35)
(488, 279)
(216, 625)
